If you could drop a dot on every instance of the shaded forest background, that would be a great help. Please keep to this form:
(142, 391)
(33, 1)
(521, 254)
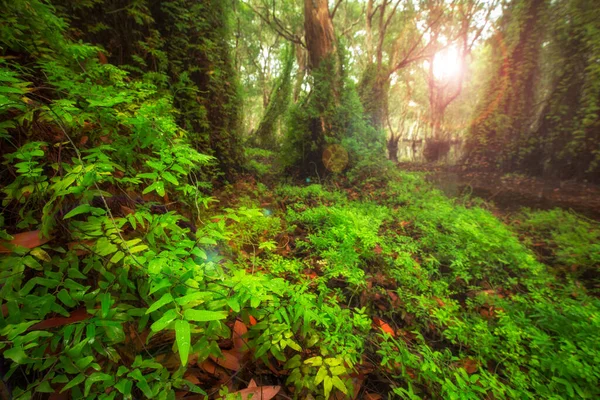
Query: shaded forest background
(526, 100)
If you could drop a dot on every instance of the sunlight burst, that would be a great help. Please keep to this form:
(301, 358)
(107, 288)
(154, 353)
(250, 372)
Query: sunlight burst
(447, 63)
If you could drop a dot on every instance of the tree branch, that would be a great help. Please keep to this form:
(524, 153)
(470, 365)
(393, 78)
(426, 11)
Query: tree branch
(276, 25)
(332, 13)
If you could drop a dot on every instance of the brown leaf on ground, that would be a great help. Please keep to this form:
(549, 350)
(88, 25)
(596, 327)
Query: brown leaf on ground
(395, 300)
(259, 393)
(252, 384)
(470, 365)
(209, 366)
(229, 360)
(76, 316)
(439, 301)
(216, 371)
(239, 330)
(357, 382)
(252, 320)
(191, 377)
(379, 323)
(28, 240)
(372, 396)
(169, 361)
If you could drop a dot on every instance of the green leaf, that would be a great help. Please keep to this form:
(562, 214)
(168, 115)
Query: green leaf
(142, 384)
(158, 186)
(164, 321)
(314, 361)
(262, 349)
(204, 315)
(148, 175)
(182, 335)
(321, 374)
(332, 362)
(165, 299)
(95, 377)
(118, 256)
(337, 382)
(66, 298)
(16, 354)
(41, 254)
(105, 304)
(74, 382)
(169, 177)
(44, 387)
(124, 386)
(84, 362)
(195, 297)
(234, 304)
(84, 208)
(327, 386)
(137, 249)
(338, 370)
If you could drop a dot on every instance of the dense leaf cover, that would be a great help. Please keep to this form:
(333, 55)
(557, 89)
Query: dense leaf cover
(127, 270)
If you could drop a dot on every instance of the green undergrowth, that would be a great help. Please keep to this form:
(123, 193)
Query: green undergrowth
(123, 272)
(474, 312)
(568, 242)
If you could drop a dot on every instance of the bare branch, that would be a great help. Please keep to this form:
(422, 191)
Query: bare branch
(409, 57)
(276, 25)
(332, 13)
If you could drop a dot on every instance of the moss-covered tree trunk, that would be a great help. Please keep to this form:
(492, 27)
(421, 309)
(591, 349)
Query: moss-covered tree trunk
(374, 90)
(324, 68)
(502, 137)
(318, 31)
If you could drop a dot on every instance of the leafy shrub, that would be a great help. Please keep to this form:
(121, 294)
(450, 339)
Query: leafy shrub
(573, 242)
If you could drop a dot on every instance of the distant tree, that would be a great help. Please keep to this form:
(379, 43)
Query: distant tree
(503, 136)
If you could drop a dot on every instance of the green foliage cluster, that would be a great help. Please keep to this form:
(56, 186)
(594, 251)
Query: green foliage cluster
(475, 313)
(259, 161)
(573, 242)
(181, 46)
(501, 136)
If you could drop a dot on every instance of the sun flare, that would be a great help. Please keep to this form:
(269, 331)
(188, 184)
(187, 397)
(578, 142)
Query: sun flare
(447, 63)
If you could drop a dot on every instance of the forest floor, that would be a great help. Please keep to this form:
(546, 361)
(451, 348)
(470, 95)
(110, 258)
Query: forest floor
(411, 292)
(511, 192)
(372, 288)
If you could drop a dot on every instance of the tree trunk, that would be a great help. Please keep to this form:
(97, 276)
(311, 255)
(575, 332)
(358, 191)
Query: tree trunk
(323, 65)
(373, 91)
(302, 64)
(392, 147)
(318, 31)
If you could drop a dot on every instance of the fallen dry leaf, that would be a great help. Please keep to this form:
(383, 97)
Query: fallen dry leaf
(377, 249)
(439, 301)
(470, 365)
(76, 316)
(229, 360)
(259, 392)
(252, 320)
(379, 323)
(28, 240)
(239, 330)
(357, 382)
